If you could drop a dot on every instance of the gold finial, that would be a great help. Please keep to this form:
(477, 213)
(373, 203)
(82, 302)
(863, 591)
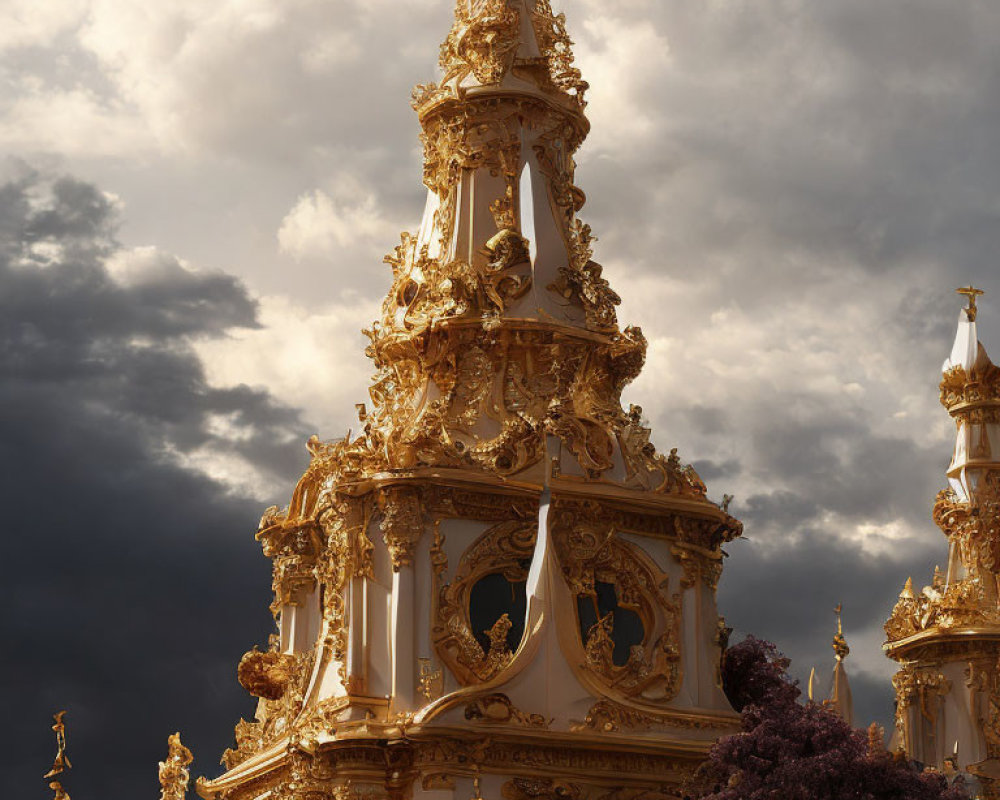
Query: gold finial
(61, 762)
(972, 293)
(839, 642)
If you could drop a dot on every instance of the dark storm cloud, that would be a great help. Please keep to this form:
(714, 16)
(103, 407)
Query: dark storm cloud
(136, 583)
(787, 130)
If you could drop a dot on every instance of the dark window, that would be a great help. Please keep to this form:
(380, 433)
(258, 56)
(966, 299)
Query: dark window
(491, 598)
(626, 629)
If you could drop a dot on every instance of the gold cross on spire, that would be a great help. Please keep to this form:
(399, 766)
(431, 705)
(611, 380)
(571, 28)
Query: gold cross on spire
(972, 293)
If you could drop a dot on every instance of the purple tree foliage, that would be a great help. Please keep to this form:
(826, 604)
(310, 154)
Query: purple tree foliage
(791, 751)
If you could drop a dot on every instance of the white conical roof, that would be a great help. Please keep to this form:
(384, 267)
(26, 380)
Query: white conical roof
(977, 442)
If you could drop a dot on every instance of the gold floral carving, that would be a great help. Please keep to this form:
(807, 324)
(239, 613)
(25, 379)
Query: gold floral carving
(959, 388)
(505, 548)
(482, 42)
(497, 708)
(402, 523)
(586, 288)
(699, 564)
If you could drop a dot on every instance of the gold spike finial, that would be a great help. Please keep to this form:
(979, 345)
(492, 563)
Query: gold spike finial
(839, 642)
(973, 294)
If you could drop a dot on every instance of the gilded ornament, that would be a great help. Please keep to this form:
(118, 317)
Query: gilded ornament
(265, 675)
(402, 524)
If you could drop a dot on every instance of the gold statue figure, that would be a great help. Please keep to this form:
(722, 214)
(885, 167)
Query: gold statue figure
(174, 775)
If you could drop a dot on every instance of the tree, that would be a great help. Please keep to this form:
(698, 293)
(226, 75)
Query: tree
(790, 751)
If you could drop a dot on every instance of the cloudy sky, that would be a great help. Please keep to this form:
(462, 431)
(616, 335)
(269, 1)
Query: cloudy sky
(194, 202)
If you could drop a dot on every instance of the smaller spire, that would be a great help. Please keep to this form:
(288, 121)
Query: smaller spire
(965, 351)
(840, 695)
(907, 593)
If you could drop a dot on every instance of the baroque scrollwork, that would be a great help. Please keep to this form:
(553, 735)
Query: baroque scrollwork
(921, 687)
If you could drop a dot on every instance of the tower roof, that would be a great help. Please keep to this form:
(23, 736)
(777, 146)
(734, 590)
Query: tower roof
(970, 390)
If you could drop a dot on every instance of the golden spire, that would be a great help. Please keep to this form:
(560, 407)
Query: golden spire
(840, 693)
(61, 762)
(839, 642)
(972, 293)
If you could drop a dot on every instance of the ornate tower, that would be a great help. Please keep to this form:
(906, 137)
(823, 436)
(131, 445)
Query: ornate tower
(947, 638)
(499, 588)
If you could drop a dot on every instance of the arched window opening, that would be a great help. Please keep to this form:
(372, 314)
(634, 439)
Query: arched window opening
(492, 597)
(606, 625)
